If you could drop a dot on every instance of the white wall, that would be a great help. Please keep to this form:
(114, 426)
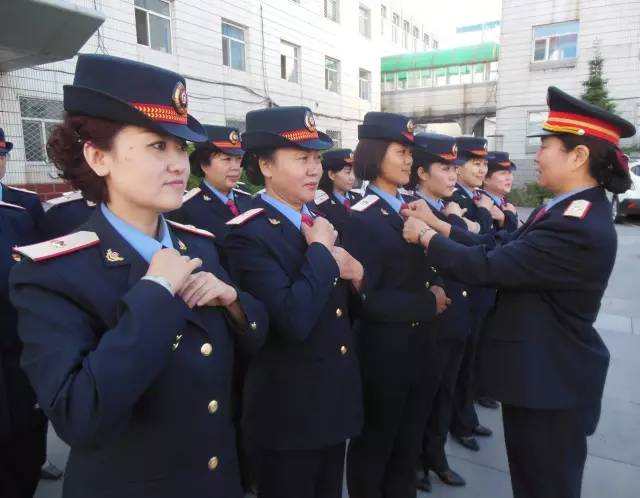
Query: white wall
(522, 87)
(197, 53)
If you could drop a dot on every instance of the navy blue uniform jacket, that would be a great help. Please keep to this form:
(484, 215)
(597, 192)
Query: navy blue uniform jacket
(542, 350)
(303, 389)
(121, 369)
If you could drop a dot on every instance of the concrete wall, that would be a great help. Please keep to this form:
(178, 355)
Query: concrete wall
(445, 104)
(614, 24)
(218, 93)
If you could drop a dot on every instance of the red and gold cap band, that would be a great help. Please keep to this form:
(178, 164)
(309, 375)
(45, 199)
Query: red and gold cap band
(300, 135)
(576, 124)
(161, 113)
(3, 144)
(480, 152)
(226, 145)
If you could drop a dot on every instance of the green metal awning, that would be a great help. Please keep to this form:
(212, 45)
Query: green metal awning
(40, 31)
(485, 52)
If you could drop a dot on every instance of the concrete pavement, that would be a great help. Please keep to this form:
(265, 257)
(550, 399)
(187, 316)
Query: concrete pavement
(613, 464)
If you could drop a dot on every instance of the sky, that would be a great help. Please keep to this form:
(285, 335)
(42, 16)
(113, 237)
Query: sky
(446, 15)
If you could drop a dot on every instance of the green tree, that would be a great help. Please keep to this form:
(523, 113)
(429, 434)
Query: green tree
(595, 87)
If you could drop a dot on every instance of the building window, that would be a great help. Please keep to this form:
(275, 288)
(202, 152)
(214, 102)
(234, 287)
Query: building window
(405, 34)
(388, 82)
(332, 10)
(395, 26)
(555, 42)
(435, 44)
(365, 84)
(534, 125)
(233, 46)
(364, 21)
(336, 136)
(153, 24)
(425, 42)
(416, 37)
(383, 18)
(39, 116)
(289, 61)
(332, 74)
(413, 79)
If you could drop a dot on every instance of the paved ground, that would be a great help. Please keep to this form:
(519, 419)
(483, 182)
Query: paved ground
(613, 466)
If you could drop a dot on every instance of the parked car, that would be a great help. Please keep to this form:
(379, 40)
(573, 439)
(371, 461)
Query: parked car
(628, 203)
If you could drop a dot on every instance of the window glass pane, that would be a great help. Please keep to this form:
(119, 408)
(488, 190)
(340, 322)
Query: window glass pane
(233, 31)
(413, 79)
(336, 136)
(160, 29)
(539, 50)
(555, 29)
(141, 27)
(534, 124)
(31, 107)
(225, 52)
(466, 76)
(33, 141)
(237, 55)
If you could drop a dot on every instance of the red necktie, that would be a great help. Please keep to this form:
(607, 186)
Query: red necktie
(232, 207)
(503, 202)
(404, 205)
(539, 215)
(307, 220)
(347, 204)
(477, 195)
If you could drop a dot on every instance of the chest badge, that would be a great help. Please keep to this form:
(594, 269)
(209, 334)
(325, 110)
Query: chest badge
(384, 212)
(113, 257)
(182, 246)
(274, 221)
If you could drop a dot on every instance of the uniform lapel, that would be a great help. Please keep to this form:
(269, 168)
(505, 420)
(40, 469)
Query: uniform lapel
(388, 213)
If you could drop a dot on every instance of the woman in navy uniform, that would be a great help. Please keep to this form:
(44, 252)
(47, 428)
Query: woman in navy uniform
(398, 336)
(13, 195)
(548, 370)
(22, 423)
(472, 158)
(128, 324)
(434, 175)
(335, 196)
(218, 198)
(302, 396)
(497, 185)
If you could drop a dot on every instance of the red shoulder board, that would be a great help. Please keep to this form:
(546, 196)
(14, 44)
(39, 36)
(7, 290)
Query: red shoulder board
(61, 246)
(12, 206)
(365, 203)
(191, 229)
(578, 209)
(191, 194)
(244, 217)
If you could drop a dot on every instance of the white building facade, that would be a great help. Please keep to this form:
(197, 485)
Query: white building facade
(551, 42)
(236, 56)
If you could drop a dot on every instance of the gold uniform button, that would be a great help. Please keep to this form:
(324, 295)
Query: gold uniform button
(434, 270)
(213, 463)
(343, 349)
(427, 284)
(338, 312)
(213, 406)
(464, 293)
(206, 349)
(253, 325)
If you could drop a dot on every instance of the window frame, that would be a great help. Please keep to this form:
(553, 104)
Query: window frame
(547, 39)
(229, 39)
(366, 82)
(336, 5)
(328, 70)
(148, 13)
(296, 58)
(532, 127)
(42, 124)
(367, 20)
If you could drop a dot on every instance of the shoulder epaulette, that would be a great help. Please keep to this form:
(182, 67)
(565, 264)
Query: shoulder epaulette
(191, 194)
(12, 206)
(18, 189)
(358, 191)
(243, 192)
(365, 203)
(404, 191)
(61, 246)
(321, 196)
(191, 229)
(75, 195)
(244, 217)
(578, 209)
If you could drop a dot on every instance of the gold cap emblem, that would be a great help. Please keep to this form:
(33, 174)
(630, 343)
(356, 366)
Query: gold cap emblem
(310, 121)
(180, 99)
(411, 127)
(234, 138)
